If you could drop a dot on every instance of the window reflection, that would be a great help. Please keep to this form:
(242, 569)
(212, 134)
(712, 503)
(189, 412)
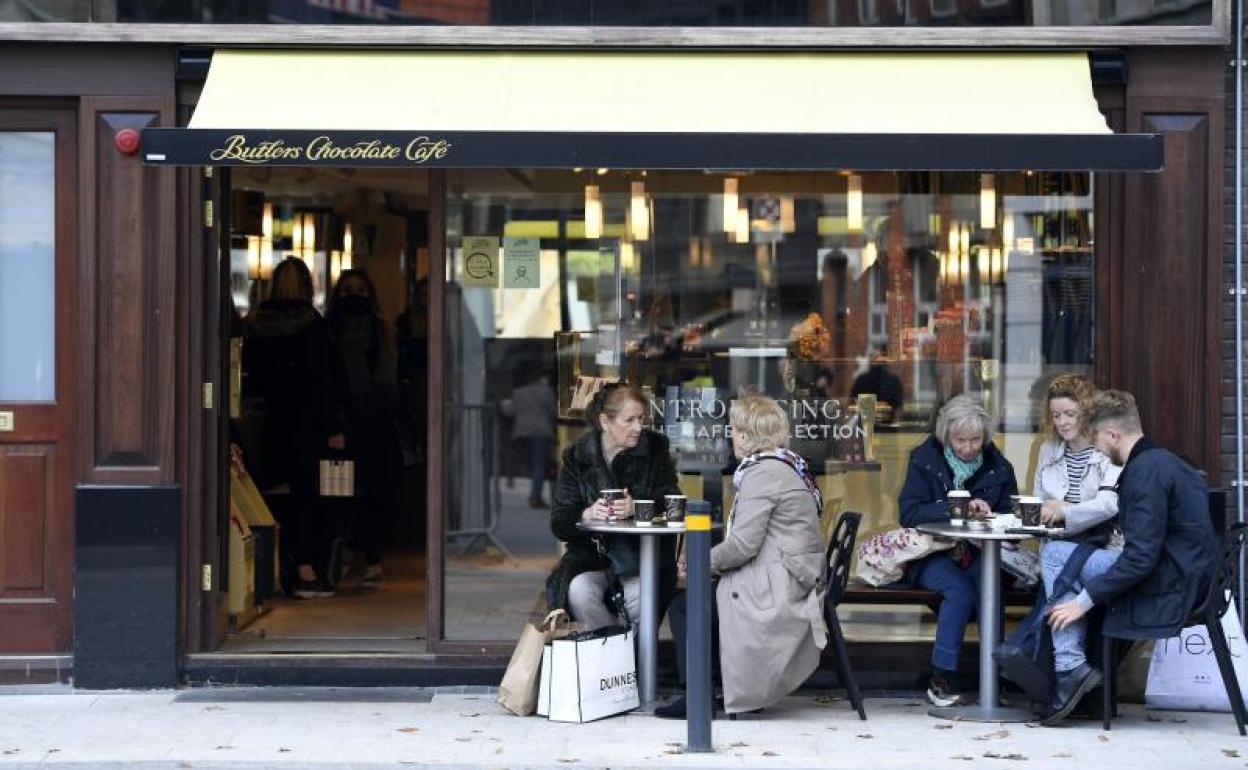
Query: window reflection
(691, 13)
(861, 301)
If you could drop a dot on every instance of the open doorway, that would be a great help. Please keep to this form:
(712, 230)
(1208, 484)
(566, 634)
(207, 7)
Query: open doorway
(324, 541)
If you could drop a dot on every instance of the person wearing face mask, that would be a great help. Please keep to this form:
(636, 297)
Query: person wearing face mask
(617, 453)
(959, 455)
(367, 383)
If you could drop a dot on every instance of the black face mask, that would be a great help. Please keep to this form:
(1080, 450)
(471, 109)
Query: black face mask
(355, 303)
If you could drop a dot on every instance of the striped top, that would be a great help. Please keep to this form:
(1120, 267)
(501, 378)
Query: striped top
(1076, 471)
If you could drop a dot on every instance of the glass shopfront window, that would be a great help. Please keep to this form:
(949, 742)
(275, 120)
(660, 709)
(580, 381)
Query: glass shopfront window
(694, 13)
(861, 301)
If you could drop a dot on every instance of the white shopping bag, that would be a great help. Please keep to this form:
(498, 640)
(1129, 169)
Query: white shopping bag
(543, 687)
(592, 676)
(1184, 673)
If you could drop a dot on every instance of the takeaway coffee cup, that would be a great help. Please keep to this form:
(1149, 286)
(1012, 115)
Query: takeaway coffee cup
(1014, 506)
(959, 504)
(609, 496)
(674, 507)
(643, 513)
(1029, 511)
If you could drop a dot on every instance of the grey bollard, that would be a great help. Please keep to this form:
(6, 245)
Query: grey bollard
(698, 685)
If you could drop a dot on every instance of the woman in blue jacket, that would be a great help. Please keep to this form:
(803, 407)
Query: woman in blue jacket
(958, 455)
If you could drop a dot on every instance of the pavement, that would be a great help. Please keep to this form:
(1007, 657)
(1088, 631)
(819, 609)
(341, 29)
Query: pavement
(57, 726)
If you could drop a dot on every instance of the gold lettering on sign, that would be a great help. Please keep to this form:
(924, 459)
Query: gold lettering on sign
(236, 148)
(323, 149)
(423, 148)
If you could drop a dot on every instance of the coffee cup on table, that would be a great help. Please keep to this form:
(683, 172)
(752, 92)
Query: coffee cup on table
(1029, 510)
(674, 507)
(609, 498)
(959, 506)
(643, 513)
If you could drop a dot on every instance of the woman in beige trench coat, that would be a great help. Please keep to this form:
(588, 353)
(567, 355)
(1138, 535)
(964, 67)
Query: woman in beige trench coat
(770, 565)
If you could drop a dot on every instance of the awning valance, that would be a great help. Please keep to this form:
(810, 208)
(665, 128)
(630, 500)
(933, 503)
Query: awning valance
(736, 110)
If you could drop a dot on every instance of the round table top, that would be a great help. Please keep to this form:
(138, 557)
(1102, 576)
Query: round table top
(630, 527)
(945, 529)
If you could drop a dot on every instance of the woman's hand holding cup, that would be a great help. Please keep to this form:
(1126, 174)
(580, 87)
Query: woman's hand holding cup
(598, 510)
(979, 509)
(622, 508)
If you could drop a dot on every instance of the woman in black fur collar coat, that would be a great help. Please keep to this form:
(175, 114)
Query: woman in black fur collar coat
(619, 453)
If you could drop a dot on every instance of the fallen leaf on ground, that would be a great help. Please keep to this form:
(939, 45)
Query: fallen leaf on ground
(1062, 755)
(991, 736)
(864, 735)
(478, 731)
(672, 750)
(53, 751)
(219, 748)
(1103, 738)
(1177, 720)
(408, 730)
(963, 757)
(213, 708)
(498, 750)
(497, 740)
(1230, 752)
(1152, 717)
(770, 754)
(914, 704)
(1003, 755)
(830, 727)
(470, 713)
(463, 739)
(569, 761)
(12, 751)
(825, 700)
(942, 726)
(738, 745)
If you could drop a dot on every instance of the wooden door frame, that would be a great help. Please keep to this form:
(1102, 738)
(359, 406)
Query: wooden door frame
(56, 421)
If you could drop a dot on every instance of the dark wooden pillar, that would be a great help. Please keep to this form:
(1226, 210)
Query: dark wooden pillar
(1164, 327)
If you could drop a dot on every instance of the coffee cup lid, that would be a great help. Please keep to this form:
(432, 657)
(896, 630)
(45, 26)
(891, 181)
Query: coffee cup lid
(635, 501)
(682, 497)
(1029, 499)
(959, 493)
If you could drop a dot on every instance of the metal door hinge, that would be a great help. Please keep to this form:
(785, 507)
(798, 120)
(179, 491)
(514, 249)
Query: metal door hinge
(208, 399)
(205, 577)
(207, 213)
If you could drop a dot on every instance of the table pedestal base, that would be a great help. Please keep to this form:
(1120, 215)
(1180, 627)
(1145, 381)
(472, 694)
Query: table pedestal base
(979, 713)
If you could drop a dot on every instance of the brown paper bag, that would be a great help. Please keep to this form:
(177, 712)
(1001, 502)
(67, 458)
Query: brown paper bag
(518, 691)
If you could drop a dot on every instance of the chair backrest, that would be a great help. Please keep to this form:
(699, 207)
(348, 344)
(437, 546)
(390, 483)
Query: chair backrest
(1224, 576)
(840, 554)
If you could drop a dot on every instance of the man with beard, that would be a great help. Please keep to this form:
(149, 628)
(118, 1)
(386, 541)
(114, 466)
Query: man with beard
(1166, 562)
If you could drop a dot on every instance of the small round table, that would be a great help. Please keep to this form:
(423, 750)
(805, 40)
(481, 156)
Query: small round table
(988, 709)
(648, 634)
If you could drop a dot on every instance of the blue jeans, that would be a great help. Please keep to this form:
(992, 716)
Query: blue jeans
(539, 461)
(1068, 652)
(959, 601)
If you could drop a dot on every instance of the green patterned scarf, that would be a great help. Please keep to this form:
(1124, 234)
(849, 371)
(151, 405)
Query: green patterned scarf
(962, 470)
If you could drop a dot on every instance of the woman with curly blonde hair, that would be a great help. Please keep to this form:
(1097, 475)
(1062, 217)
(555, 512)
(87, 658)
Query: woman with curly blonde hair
(1073, 479)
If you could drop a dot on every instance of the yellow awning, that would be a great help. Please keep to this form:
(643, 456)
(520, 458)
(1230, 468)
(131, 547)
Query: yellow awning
(651, 92)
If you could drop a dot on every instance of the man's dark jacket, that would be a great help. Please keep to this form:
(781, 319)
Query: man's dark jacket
(1169, 556)
(646, 471)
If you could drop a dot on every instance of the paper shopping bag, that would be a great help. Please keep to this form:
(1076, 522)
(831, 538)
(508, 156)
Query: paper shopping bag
(519, 689)
(337, 478)
(543, 689)
(593, 675)
(1184, 673)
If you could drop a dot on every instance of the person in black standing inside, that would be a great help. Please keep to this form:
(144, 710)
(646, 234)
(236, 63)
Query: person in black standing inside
(289, 360)
(367, 368)
(1168, 556)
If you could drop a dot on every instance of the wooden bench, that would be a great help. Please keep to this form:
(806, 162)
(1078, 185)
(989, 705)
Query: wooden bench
(858, 592)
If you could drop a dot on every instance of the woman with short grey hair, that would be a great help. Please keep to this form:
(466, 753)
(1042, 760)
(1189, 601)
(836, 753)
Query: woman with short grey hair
(959, 455)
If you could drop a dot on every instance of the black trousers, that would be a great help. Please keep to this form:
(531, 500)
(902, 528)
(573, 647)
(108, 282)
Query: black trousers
(677, 618)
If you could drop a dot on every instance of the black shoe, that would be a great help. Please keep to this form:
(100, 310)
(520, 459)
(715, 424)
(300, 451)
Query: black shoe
(942, 692)
(1070, 689)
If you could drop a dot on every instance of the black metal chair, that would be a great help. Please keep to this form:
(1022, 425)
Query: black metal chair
(839, 556)
(1209, 614)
